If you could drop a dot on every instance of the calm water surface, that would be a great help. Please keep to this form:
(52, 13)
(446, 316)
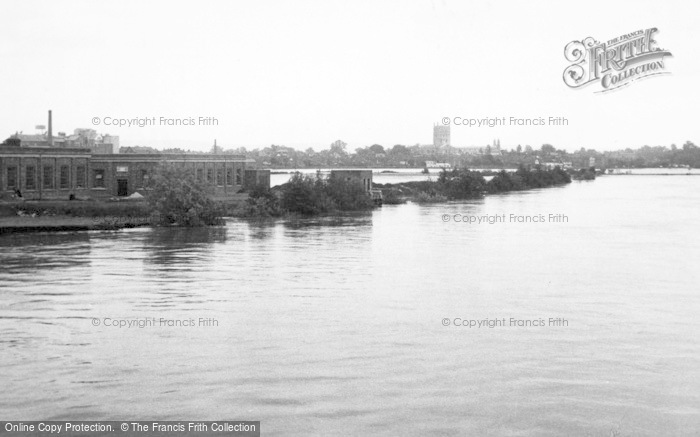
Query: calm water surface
(335, 325)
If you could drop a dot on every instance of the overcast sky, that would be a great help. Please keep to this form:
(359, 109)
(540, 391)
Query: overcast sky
(306, 73)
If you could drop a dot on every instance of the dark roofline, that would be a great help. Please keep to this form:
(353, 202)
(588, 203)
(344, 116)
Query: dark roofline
(4, 149)
(167, 157)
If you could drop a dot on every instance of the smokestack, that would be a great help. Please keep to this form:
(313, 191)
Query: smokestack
(50, 130)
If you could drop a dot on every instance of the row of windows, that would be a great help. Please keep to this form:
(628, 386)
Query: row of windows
(99, 177)
(220, 176)
(48, 177)
(30, 182)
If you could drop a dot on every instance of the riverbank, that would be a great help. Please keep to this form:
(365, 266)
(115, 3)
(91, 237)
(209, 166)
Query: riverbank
(59, 215)
(75, 215)
(9, 225)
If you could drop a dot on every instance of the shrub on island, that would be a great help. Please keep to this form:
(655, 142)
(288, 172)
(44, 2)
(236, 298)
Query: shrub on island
(261, 203)
(392, 196)
(524, 179)
(459, 184)
(311, 195)
(584, 174)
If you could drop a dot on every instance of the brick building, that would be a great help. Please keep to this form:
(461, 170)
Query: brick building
(56, 173)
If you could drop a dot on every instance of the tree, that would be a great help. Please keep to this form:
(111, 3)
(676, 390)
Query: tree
(519, 149)
(309, 195)
(339, 148)
(261, 202)
(689, 146)
(304, 194)
(400, 150)
(376, 149)
(547, 149)
(178, 199)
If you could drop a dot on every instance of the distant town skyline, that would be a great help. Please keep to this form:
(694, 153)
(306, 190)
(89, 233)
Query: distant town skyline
(441, 138)
(308, 73)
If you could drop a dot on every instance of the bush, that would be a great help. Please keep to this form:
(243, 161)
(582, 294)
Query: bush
(260, 190)
(584, 174)
(310, 195)
(261, 202)
(178, 199)
(524, 179)
(392, 197)
(461, 184)
(503, 182)
(347, 195)
(304, 194)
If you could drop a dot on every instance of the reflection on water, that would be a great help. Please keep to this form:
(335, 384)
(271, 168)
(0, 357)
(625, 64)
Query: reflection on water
(166, 246)
(24, 253)
(343, 220)
(334, 325)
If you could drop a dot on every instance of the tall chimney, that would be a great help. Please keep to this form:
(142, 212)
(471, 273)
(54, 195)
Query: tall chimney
(50, 130)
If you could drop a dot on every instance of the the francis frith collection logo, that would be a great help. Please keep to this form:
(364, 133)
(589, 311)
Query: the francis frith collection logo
(615, 63)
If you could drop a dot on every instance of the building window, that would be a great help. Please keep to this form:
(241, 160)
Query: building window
(48, 177)
(12, 177)
(64, 180)
(145, 178)
(80, 176)
(30, 177)
(99, 179)
(200, 175)
(219, 176)
(238, 176)
(210, 175)
(229, 176)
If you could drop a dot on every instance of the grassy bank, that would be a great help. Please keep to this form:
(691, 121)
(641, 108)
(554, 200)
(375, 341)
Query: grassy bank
(76, 208)
(60, 215)
(16, 224)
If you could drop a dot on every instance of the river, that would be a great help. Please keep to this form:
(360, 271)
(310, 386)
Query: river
(354, 325)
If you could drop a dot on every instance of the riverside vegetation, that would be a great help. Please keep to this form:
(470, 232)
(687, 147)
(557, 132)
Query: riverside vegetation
(306, 195)
(311, 195)
(462, 184)
(177, 199)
